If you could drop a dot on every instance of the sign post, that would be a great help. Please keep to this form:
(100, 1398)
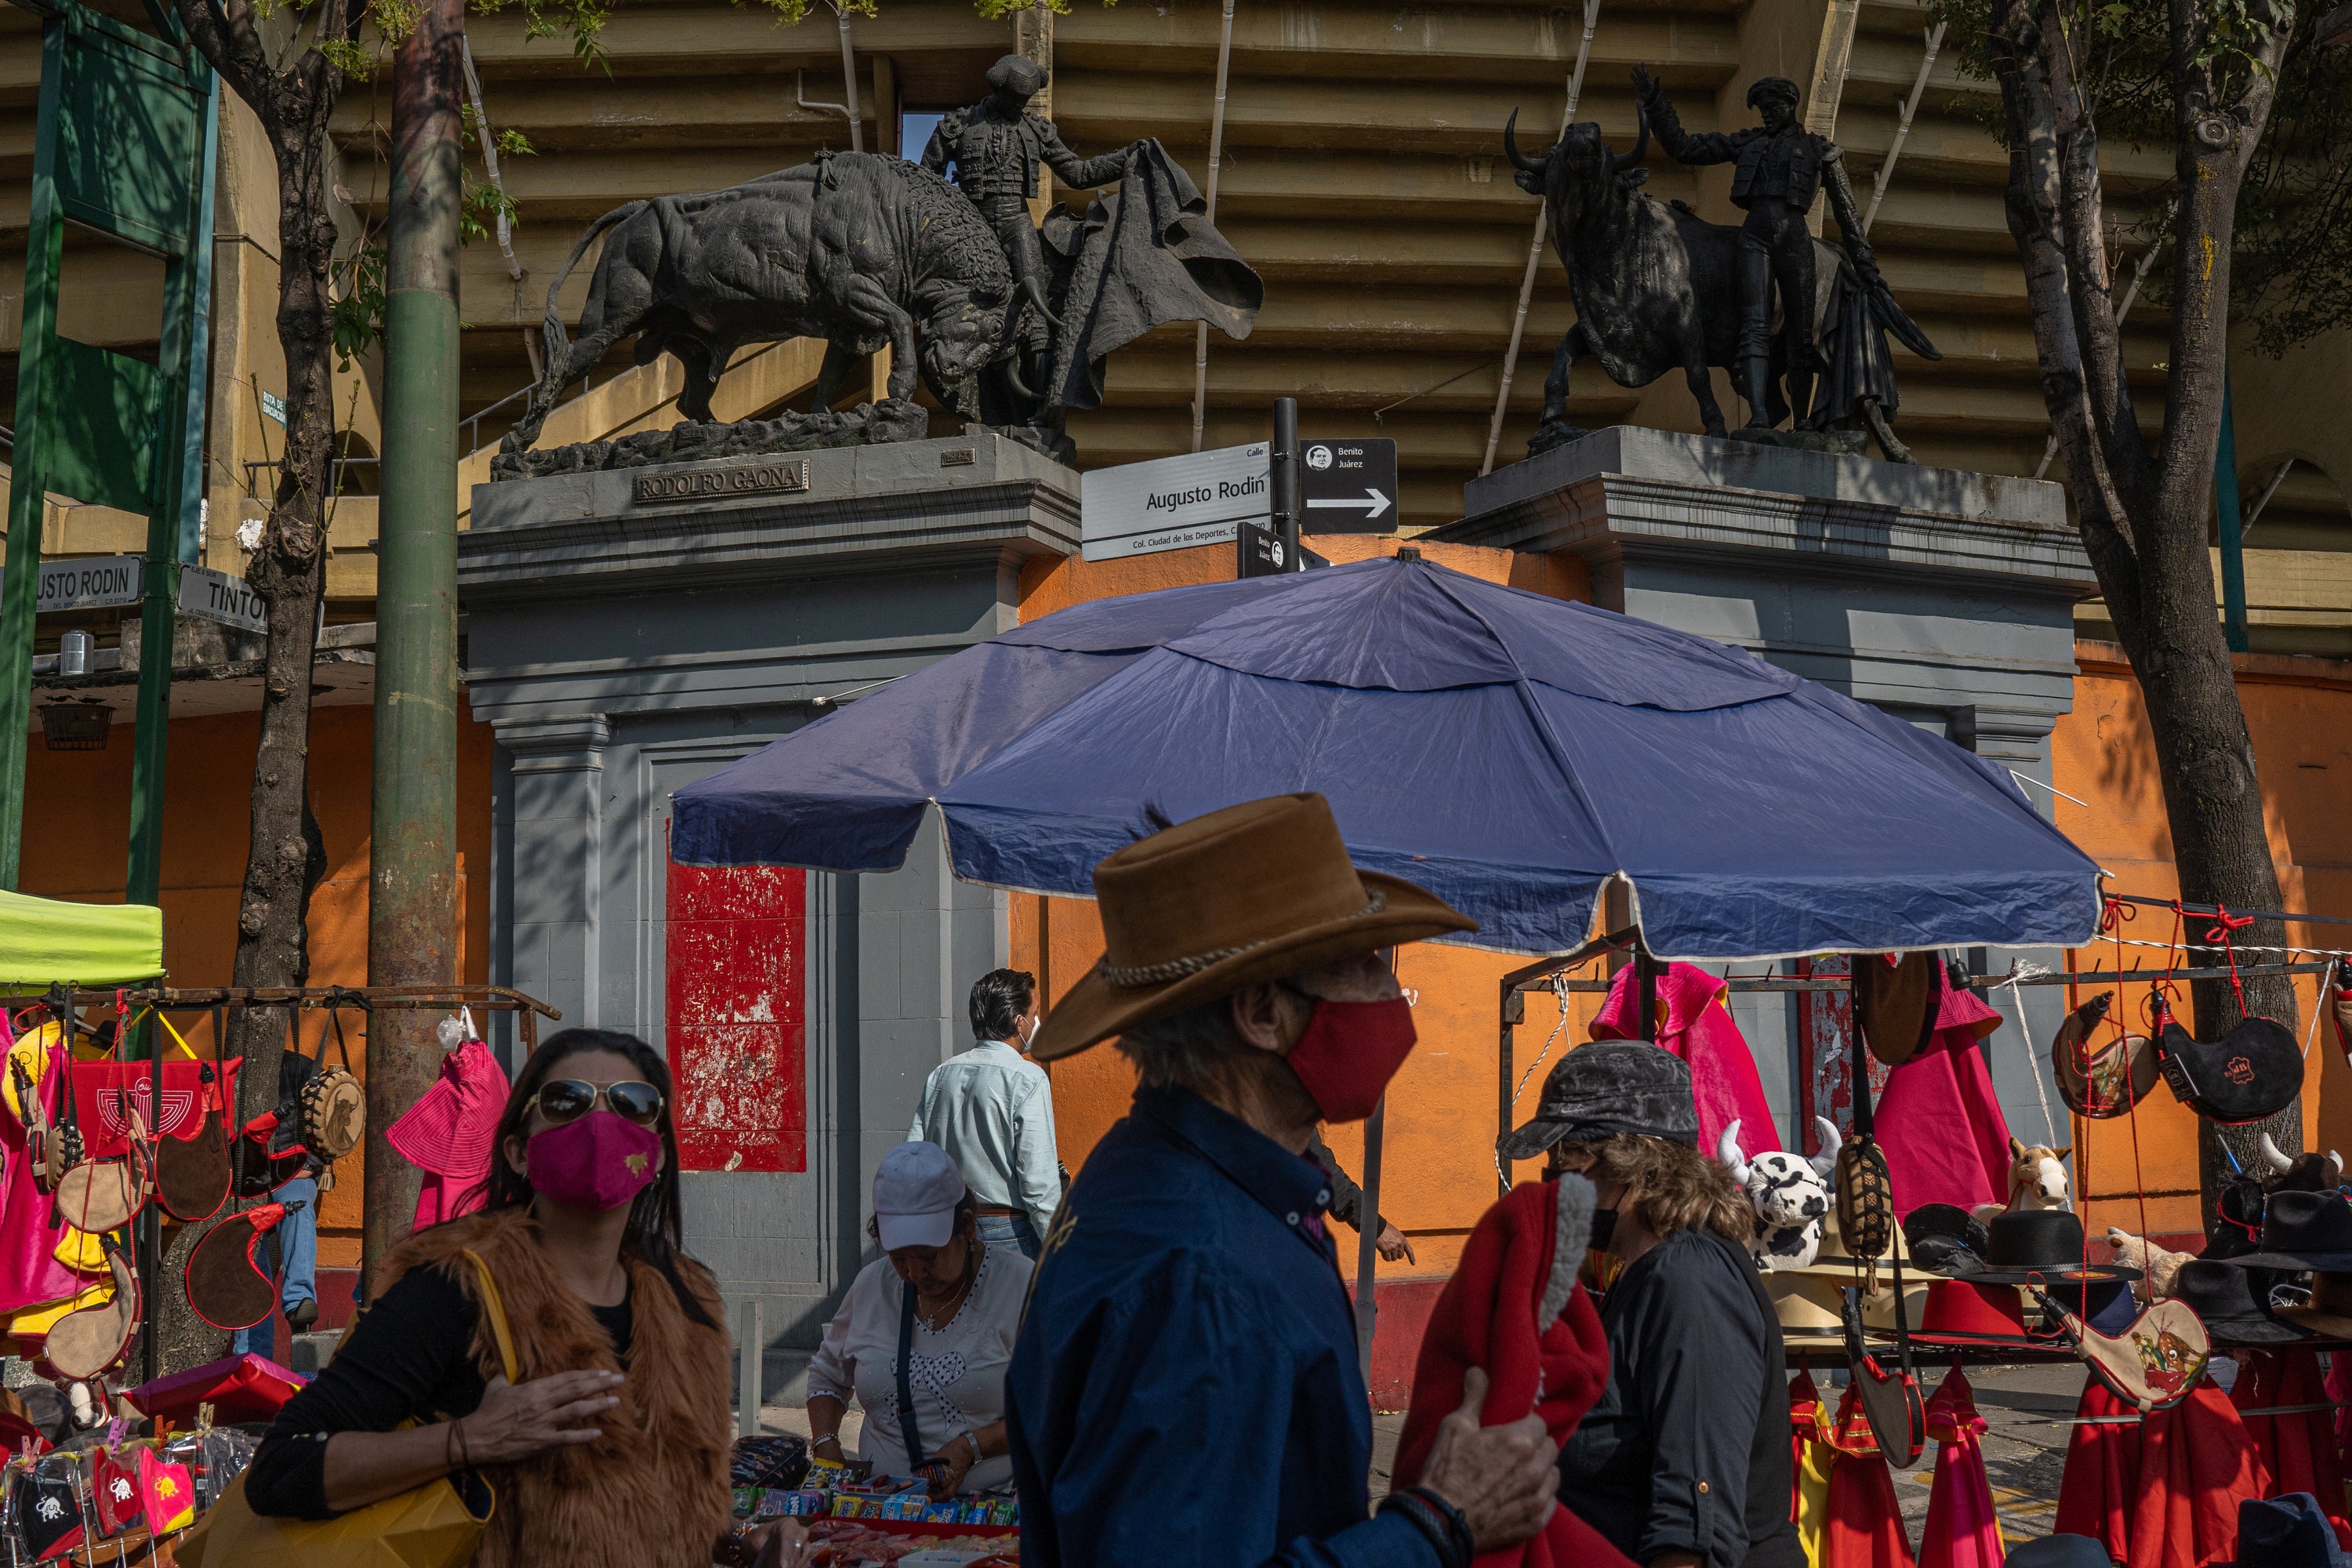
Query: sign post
(1172, 503)
(1351, 485)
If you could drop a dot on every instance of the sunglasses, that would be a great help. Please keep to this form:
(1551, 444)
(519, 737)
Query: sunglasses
(562, 1099)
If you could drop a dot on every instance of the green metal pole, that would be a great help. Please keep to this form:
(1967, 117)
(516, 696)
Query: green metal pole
(174, 526)
(413, 870)
(20, 579)
(2225, 507)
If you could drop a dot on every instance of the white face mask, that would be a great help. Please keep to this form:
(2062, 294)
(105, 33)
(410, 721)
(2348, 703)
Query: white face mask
(1036, 1022)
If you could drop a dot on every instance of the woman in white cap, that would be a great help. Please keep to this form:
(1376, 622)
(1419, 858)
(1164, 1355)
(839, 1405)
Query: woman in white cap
(923, 1337)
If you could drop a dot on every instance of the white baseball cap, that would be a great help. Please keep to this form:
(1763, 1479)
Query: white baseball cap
(915, 1196)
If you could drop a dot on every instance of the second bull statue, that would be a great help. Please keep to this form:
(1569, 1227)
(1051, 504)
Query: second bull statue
(1658, 288)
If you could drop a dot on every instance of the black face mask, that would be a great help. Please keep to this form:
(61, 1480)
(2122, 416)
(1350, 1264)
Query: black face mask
(1605, 1226)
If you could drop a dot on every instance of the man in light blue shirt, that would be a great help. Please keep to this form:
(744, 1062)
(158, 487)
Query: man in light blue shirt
(991, 1109)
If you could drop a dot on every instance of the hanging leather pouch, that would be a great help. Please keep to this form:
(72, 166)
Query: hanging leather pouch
(1891, 1402)
(227, 1288)
(101, 1195)
(2253, 1071)
(84, 1344)
(2155, 1362)
(192, 1176)
(98, 1196)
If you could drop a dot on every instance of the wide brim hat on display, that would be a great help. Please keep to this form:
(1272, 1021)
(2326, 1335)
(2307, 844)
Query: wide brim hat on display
(1809, 1300)
(1606, 1088)
(2289, 1531)
(1895, 999)
(1239, 897)
(2330, 1311)
(1962, 1312)
(2303, 1231)
(2223, 1296)
(2034, 1247)
(2059, 1552)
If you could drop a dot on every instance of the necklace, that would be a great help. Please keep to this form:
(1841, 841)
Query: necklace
(937, 1318)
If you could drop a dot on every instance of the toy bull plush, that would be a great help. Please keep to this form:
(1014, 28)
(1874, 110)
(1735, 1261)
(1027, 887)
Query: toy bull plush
(1791, 1194)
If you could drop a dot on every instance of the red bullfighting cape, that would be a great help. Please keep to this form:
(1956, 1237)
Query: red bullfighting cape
(1697, 1027)
(1962, 1530)
(1865, 1523)
(1513, 1308)
(2196, 1466)
(2297, 1450)
(2102, 1474)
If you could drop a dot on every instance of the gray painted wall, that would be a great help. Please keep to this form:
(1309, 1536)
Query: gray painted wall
(620, 657)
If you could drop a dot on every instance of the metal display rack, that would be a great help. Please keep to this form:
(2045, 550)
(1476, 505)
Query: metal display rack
(219, 1000)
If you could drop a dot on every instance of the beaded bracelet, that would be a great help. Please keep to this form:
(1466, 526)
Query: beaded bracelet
(1415, 1506)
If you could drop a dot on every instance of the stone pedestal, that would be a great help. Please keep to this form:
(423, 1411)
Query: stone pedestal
(1944, 597)
(630, 631)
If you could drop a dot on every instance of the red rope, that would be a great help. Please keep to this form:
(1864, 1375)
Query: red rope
(2224, 922)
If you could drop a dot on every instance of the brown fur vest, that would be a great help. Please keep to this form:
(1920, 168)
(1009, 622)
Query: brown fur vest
(653, 1491)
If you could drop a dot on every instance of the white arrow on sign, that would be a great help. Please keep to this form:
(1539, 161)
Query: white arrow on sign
(1372, 505)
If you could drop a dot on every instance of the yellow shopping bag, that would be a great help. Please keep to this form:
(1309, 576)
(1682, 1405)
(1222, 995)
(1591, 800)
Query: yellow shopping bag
(437, 1525)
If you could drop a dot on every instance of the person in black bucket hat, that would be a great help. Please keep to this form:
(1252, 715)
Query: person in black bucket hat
(1695, 1459)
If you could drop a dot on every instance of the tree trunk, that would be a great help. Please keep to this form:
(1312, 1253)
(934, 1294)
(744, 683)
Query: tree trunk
(288, 570)
(2142, 517)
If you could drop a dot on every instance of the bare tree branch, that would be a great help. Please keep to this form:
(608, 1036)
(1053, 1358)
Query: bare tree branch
(2082, 233)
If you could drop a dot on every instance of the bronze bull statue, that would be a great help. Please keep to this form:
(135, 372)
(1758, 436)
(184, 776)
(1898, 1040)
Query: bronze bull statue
(857, 248)
(1656, 291)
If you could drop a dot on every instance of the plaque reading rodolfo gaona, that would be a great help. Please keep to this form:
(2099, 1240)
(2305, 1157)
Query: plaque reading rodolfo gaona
(701, 484)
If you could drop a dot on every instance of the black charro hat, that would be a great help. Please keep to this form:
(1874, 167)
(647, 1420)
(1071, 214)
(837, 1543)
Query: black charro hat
(2223, 1294)
(2304, 1230)
(1607, 1088)
(2034, 1247)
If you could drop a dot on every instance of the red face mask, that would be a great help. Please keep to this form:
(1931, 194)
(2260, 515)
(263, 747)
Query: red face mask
(1349, 1052)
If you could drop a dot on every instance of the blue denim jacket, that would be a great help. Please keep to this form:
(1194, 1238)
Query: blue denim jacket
(1185, 1388)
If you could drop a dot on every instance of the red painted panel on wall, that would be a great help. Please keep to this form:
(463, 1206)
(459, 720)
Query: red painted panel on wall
(736, 983)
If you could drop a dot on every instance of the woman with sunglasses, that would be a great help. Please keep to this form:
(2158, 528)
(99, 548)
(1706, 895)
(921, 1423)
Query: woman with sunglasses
(611, 1450)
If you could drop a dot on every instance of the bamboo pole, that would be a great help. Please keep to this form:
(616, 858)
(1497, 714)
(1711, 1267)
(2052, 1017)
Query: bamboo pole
(1536, 244)
(1217, 157)
(1903, 127)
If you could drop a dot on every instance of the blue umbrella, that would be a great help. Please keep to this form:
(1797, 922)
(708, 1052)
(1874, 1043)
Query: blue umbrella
(1510, 753)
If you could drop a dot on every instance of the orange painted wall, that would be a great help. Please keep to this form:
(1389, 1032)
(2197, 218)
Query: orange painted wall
(1438, 1172)
(2299, 711)
(76, 822)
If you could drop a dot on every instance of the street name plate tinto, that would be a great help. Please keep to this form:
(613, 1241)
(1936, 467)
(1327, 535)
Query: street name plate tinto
(719, 484)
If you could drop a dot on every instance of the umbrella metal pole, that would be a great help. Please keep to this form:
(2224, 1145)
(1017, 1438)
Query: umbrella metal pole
(1645, 976)
(1367, 1227)
(1515, 1011)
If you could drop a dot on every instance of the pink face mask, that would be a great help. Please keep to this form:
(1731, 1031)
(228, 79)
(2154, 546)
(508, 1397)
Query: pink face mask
(599, 1161)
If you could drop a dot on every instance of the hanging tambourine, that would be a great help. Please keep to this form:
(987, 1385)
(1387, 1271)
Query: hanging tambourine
(333, 1107)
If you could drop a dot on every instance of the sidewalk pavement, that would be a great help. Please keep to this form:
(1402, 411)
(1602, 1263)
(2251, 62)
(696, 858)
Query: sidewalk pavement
(2024, 1451)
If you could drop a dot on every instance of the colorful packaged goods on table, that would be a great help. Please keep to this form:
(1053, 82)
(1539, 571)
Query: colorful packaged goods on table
(847, 1543)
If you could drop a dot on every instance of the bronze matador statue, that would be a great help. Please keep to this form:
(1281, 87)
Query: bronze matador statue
(1778, 168)
(996, 146)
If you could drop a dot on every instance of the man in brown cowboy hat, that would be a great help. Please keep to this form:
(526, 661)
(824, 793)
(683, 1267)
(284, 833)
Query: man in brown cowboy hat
(1185, 1386)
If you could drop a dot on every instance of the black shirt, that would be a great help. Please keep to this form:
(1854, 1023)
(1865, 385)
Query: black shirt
(1688, 1449)
(410, 1357)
